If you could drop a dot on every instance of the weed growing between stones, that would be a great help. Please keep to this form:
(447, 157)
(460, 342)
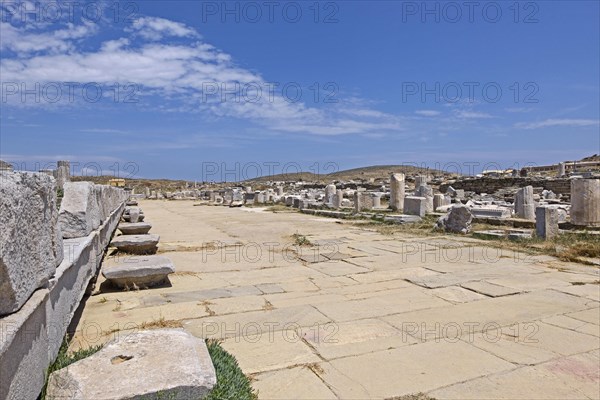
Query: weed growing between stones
(300, 240)
(231, 381)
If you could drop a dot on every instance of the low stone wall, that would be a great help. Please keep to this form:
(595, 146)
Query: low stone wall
(30, 337)
(490, 185)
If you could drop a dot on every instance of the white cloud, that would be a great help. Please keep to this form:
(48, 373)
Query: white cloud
(154, 28)
(178, 72)
(472, 115)
(23, 42)
(548, 123)
(427, 113)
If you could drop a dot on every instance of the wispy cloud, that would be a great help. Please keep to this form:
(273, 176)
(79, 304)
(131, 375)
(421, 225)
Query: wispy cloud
(427, 113)
(472, 114)
(519, 109)
(185, 74)
(154, 28)
(549, 123)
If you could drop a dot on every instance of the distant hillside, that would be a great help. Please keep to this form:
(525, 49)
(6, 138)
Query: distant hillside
(167, 185)
(5, 166)
(595, 157)
(376, 172)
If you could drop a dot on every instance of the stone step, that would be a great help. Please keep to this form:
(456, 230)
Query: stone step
(138, 271)
(136, 244)
(134, 228)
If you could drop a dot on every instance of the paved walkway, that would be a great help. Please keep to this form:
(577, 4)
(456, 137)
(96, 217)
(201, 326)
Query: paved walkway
(362, 315)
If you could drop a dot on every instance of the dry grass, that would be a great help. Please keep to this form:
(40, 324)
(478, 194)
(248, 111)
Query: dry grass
(423, 228)
(210, 312)
(161, 323)
(316, 368)
(570, 247)
(416, 396)
(278, 208)
(268, 306)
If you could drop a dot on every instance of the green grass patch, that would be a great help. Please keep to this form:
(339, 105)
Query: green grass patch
(231, 381)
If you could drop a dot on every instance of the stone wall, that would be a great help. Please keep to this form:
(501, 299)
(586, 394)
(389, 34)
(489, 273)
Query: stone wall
(490, 185)
(44, 272)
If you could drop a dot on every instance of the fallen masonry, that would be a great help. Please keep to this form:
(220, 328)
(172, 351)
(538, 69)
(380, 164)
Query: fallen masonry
(157, 364)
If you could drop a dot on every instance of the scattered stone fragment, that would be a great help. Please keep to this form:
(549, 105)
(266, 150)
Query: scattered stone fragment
(516, 236)
(402, 219)
(458, 220)
(490, 234)
(138, 271)
(161, 363)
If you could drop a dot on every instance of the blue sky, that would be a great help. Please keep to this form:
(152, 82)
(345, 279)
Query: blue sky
(219, 88)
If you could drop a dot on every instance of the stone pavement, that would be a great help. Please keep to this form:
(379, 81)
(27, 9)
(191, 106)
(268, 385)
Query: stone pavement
(363, 315)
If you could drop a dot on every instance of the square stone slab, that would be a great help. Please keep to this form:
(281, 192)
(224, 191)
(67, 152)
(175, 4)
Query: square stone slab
(162, 362)
(134, 228)
(138, 271)
(136, 244)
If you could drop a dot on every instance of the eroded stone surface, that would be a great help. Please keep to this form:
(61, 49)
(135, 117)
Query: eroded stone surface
(163, 362)
(136, 244)
(134, 228)
(138, 271)
(458, 220)
(31, 245)
(79, 211)
(359, 326)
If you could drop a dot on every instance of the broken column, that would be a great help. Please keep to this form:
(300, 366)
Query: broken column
(546, 222)
(524, 203)
(329, 192)
(376, 200)
(63, 173)
(440, 200)
(339, 196)
(397, 192)
(585, 202)
(357, 201)
(561, 169)
(420, 180)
